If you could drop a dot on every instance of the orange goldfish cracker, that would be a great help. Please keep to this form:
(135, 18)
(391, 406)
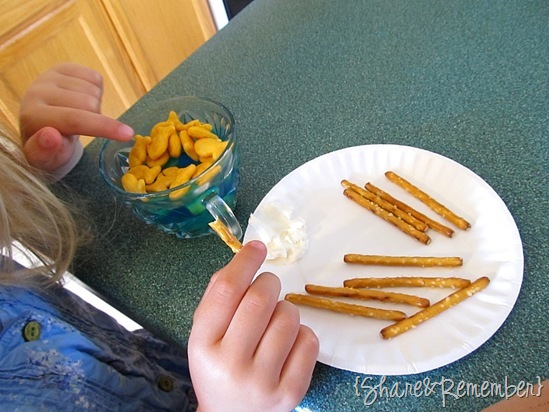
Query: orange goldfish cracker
(207, 174)
(138, 153)
(188, 145)
(158, 126)
(148, 174)
(209, 148)
(198, 123)
(207, 159)
(174, 119)
(174, 146)
(201, 168)
(170, 170)
(194, 122)
(159, 143)
(130, 183)
(198, 132)
(162, 182)
(161, 161)
(182, 176)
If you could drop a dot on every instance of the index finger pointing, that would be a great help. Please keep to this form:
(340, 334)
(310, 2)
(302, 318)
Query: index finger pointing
(70, 121)
(223, 296)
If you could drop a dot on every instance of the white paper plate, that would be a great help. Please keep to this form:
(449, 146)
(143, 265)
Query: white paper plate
(336, 226)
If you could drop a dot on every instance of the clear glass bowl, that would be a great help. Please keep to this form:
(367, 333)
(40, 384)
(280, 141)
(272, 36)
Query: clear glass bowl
(212, 193)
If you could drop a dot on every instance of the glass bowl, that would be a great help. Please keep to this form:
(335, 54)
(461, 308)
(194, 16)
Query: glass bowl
(209, 195)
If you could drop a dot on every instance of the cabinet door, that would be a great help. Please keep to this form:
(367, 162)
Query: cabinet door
(159, 35)
(36, 34)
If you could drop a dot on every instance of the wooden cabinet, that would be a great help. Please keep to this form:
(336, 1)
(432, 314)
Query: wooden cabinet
(132, 43)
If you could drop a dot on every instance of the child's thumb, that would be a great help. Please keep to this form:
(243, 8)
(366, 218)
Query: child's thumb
(43, 147)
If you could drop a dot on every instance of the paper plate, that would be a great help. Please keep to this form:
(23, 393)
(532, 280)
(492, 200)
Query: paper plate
(337, 226)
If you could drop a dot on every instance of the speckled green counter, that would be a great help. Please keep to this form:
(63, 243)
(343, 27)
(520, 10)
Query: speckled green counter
(466, 79)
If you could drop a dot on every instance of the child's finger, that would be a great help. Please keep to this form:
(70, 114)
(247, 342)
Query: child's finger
(70, 121)
(218, 306)
(252, 317)
(43, 149)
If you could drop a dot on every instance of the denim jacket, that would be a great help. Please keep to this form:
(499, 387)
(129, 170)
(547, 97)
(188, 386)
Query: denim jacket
(59, 353)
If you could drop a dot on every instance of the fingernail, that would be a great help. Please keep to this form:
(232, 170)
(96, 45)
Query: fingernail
(125, 131)
(257, 244)
(46, 140)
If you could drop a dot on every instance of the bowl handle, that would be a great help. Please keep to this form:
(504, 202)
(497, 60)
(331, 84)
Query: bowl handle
(220, 210)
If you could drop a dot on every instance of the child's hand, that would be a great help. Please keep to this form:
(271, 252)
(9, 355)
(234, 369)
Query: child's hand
(247, 350)
(61, 104)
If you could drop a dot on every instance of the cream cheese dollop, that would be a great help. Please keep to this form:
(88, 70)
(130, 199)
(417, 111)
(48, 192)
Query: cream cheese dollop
(285, 237)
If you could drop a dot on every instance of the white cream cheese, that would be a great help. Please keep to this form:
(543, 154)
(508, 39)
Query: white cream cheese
(286, 238)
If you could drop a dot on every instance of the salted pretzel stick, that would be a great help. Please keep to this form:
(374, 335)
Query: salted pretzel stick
(226, 235)
(429, 201)
(433, 224)
(421, 261)
(341, 307)
(435, 309)
(391, 208)
(389, 217)
(367, 294)
(407, 281)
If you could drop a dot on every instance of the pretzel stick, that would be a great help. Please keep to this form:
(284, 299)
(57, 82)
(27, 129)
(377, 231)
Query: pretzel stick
(389, 217)
(391, 208)
(421, 261)
(433, 224)
(404, 281)
(429, 201)
(435, 309)
(226, 235)
(341, 307)
(367, 294)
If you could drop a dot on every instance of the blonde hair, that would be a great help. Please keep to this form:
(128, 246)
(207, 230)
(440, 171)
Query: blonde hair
(31, 215)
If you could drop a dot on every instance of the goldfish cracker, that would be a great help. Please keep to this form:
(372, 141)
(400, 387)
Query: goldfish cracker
(198, 132)
(200, 169)
(161, 161)
(159, 143)
(130, 183)
(206, 126)
(209, 148)
(194, 122)
(158, 126)
(162, 182)
(198, 123)
(174, 119)
(207, 159)
(203, 174)
(174, 145)
(148, 174)
(170, 170)
(138, 153)
(182, 176)
(188, 145)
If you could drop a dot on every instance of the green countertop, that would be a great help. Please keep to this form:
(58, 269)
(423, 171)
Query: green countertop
(466, 79)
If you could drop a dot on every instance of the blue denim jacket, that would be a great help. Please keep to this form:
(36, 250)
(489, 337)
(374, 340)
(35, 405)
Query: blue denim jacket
(59, 353)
